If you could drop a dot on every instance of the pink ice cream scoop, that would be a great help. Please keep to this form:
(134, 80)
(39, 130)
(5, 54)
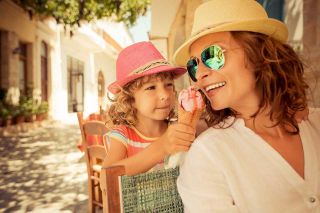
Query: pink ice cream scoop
(191, 106)
(190, 99)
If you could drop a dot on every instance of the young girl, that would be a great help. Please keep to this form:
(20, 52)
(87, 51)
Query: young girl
(144, 101)
(256, 157)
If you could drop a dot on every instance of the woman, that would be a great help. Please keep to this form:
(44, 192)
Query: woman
(255, 157)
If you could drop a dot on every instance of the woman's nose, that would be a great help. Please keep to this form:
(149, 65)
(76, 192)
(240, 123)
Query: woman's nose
(202, 72)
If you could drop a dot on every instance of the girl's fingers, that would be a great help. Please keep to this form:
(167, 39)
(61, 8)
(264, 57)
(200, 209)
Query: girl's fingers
(184, 137)
(180, 148)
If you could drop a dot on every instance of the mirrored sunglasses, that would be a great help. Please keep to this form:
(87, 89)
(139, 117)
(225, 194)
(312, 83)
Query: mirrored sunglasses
(212, 57)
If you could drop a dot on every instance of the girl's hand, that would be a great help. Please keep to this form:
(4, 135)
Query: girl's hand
(178, 137)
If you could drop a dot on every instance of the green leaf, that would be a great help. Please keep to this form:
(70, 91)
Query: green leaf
(71, 12)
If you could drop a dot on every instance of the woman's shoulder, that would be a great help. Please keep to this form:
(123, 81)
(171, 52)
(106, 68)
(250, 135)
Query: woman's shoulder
(314, 116)
(314, 111)
(213, 134)
(223, 129)
(216, 136)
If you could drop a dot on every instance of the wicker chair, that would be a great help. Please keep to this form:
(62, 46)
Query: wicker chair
(148, 192)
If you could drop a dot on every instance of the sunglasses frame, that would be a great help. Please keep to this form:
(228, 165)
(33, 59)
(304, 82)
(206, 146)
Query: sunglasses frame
(197, 60)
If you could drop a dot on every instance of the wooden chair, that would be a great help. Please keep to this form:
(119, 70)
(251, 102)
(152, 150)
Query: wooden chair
(148, 192)
(94, 158)
(92, 132)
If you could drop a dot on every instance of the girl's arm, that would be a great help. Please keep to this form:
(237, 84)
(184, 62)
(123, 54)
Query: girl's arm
(178, 137)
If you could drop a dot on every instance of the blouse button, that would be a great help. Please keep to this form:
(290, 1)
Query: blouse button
(312, 199)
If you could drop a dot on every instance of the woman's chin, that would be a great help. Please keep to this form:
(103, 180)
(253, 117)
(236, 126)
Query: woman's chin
(217, 107)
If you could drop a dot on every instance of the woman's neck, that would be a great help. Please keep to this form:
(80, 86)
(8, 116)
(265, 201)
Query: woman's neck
(262, 123)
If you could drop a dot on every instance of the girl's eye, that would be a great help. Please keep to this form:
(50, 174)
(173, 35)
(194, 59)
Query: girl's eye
(169, 84)
(150, 88)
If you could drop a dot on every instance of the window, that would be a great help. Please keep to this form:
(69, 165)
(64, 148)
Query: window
(274, 8)
(100, 85)
(23, 68)
(44, 71)
(75, 84)
(1, 59)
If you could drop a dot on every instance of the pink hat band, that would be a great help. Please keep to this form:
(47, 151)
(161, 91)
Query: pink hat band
(138, 60)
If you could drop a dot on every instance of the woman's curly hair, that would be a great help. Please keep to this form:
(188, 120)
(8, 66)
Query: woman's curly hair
(122, 112)
(279, 76)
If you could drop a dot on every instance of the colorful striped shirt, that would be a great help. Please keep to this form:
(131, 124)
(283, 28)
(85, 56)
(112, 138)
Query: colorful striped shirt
(131, 138)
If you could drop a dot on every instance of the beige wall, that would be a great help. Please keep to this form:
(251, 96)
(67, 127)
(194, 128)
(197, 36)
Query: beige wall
(311, 47)
(9, 60)
(16, 27)
(181, 25)
(13, 18)
(180, 31)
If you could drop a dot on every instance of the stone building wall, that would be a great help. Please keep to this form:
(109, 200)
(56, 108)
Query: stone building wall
(311, 47)
(9, 60)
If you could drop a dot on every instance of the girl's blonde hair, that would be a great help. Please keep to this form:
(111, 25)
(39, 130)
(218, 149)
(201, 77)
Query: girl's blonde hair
(121, 111)
(279, 76)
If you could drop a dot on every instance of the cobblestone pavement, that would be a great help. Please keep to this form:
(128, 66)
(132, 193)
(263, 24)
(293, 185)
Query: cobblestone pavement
(43, 171)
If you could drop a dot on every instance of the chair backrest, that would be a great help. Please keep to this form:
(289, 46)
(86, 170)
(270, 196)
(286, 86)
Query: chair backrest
(92, 131)
(148, 192)
(95, 155)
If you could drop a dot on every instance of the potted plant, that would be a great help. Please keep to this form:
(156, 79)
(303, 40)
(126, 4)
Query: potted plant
(30, 109)
(42, 111)
(5, 115)
(3, 112)
(10, 102)
(18, 114)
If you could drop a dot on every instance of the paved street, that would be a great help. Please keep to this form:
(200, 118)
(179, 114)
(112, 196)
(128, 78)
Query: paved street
(43, 171)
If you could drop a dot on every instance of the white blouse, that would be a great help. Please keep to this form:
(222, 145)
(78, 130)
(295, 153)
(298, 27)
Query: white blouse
(235, 170)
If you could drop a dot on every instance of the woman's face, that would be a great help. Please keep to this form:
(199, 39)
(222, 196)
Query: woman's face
(233, 85)
(155, 99)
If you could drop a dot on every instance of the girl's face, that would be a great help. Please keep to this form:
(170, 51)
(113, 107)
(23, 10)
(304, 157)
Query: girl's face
(155, 99)
(233, 85)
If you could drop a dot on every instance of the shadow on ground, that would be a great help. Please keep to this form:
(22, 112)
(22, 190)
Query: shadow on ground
(43, 171)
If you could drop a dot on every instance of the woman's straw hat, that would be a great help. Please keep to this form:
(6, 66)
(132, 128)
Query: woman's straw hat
(138, 60)
(230, 15)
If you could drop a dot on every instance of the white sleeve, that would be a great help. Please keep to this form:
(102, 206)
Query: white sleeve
(202, 185)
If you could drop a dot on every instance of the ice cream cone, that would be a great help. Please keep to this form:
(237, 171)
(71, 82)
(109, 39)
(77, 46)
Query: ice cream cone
(189, 118)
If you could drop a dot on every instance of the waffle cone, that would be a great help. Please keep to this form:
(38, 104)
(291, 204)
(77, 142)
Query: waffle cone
(189, 118)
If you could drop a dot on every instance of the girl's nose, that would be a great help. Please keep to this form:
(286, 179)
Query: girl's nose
(164, 94)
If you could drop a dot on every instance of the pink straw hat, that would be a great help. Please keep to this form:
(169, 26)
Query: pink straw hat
(138, 60)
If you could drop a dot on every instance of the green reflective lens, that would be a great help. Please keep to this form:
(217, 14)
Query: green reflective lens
(192, 67)
(213, 57)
